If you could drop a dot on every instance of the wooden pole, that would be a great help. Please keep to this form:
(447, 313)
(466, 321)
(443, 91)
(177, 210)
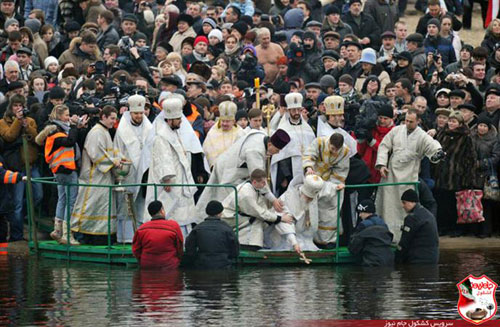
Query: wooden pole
(29, 189)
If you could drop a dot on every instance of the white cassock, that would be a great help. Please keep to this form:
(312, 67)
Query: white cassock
(233, 167)
(282, 236)
(325, 129)
(301, 136)
(131, 140)
(404, 166)
(92, 206)
(252, 203)
(170, 161)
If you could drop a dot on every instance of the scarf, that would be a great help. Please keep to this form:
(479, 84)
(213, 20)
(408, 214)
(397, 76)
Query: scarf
(231, 52)
(64, 126)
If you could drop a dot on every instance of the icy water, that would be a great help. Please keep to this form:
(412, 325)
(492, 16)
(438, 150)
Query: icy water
(55, 293)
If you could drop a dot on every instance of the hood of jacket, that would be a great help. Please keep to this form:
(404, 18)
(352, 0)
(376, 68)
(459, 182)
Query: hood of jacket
(294, 18)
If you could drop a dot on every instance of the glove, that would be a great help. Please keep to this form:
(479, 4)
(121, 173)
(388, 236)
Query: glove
(440, 155)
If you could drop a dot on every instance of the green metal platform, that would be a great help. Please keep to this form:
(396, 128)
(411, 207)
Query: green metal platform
(122, 254)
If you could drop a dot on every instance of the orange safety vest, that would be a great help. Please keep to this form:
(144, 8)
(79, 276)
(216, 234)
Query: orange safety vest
(61, 157)
(4, 248)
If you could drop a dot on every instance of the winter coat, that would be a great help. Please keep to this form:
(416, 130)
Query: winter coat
(378, 71)
(419, 59)
(342, 28)
(422, 23)
(11, 131)
(489, 41)
(158, 243)
(109, 36)
(75, 55)
(487, 149)
(420, 240)
(178, 37)
(212, 244)
(443, 46)
(385, 14)
(7, 177)
(293, 22)
(367, 28)
(455, 172)
(313, 67)
(95, 7)
(371, 243)
(401, 72)
(368, 150)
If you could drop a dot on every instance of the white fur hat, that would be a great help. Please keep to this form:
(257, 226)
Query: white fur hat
(50, 60)
(215, 33)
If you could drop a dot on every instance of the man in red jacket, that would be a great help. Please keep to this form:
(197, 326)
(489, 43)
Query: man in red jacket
(369, 148)
(158, 243)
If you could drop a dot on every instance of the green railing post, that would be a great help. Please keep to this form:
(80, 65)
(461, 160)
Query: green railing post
(29, 194)
(110, 203)
(68, 224)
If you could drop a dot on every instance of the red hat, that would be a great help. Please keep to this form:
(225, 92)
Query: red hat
(200, 39)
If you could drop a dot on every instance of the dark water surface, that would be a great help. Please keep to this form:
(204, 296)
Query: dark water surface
(55, 293)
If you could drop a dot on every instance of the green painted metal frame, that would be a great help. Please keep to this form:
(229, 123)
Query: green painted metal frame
(122, 254)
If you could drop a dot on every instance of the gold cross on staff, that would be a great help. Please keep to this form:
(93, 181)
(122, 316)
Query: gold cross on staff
(268, 111)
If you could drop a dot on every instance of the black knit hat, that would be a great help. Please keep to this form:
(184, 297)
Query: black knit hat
(241, 27)
(366, 205)
(57, 92)
(154, 207)
(410, 196)
(386, 110)
(214, 208)
(484, 119)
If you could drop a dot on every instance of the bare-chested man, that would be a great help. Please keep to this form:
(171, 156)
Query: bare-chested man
(268, 54)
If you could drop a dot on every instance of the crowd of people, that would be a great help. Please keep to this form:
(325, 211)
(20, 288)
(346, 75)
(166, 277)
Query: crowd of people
(287, 103)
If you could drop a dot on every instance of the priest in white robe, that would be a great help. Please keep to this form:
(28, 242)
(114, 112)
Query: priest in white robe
(333, 122)
(288, 163)
(328, 157)
(409, 144)
(223, 134)
(93, 207)
(301, 202)
(235, 165)
(170, 165)
(132, 136)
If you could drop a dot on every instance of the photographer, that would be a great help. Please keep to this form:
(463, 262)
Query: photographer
(249, 68)
(436, 44)
(56, 97)
(132, 59)
(12, 127)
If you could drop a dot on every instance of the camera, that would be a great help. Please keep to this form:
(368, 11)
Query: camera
(308, 104)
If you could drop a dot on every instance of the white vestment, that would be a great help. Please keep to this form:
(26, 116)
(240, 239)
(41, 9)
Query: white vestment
(283, 236)
(131, 140)
(92, 206)
(170, 162)
(233, 167)
(301, 137)
(404, 166)
(255, 212)
(325, 129)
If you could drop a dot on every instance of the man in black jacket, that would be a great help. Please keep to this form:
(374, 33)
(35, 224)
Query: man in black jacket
(363, 25)
(371, 240)
(419, 239)
(212, 244)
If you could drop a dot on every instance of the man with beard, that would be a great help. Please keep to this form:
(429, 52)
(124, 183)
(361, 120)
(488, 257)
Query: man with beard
(398, 160)
(132, 134)
(288, 163)
(169, 165)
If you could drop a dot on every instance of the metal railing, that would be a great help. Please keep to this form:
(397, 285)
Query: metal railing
(50, 181)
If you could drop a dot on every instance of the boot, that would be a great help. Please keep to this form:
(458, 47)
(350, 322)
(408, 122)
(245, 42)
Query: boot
(64, 237)
(57, 232)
